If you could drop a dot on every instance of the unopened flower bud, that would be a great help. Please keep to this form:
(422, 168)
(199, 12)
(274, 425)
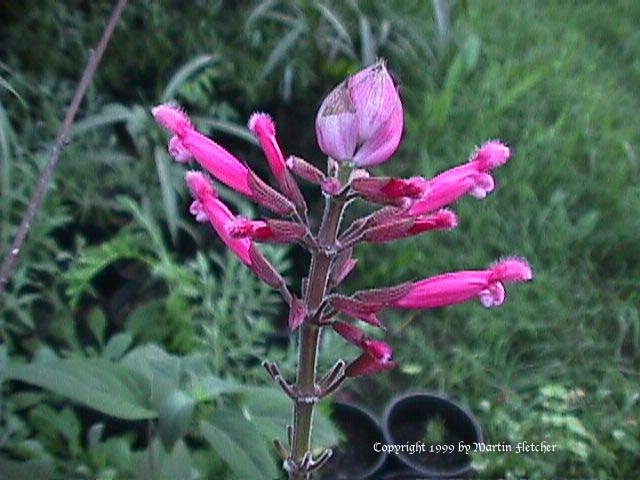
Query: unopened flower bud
(361, 120)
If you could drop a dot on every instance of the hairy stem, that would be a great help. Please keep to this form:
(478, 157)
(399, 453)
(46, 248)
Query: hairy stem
(310, 331)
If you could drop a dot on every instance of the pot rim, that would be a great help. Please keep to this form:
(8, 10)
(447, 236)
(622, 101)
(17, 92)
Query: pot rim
(406, 459)
(374, 420)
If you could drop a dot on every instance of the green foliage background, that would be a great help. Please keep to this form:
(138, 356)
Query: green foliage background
(114, 262)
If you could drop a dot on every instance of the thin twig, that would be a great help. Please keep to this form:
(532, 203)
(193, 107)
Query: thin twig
(11, 258)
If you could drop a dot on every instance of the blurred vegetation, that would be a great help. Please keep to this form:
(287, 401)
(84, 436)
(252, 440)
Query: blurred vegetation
(115, 269)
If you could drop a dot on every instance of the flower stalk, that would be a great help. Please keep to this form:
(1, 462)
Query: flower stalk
(310, 331)
(359, 125)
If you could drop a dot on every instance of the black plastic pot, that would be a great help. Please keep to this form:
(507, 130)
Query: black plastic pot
(354, 458)
(417, 417)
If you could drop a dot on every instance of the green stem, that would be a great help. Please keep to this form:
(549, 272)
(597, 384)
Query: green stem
(310, 332)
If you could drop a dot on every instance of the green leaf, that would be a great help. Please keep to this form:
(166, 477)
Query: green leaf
(167, 190)
(281, 51)
(117, 346)
(161, 369)
(97, 323)
(183, 74)
(110, 114)
(99, 384)
(94, 259)
(240, 445)
(271, 411)
(158, 464)
(207, 387)
(175, 416)
(34, 469)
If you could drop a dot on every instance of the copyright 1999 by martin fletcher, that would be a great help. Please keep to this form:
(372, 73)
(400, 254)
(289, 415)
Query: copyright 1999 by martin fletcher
(462, 447)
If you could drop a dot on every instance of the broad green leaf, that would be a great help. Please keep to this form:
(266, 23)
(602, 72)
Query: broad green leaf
(240, 445)
(161, 369)
(97, 323)
(99, 384)
(30, 470)
(158, 464)
(271, 411)
(117, 346)
(207, 387)
(175, 416)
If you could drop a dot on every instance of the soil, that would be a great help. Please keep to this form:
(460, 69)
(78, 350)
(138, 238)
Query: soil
(408, 424)
(413, 430)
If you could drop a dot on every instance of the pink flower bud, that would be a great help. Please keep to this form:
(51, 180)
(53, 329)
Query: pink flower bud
(377, 357)
(472, 178)
(297, 313)
(386, 190)
(337, 124)
(349, 332)
(272, 231)
(331, 186)
(305, 170)
(395, 229)
(458, 287)
(361, 120)
(384, 143)
(374, 97)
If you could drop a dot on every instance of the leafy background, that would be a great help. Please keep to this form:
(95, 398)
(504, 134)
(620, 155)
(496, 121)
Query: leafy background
(120, 293)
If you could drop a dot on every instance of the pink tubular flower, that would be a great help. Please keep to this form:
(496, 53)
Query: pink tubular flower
(188, 142)
(458, 287)
(263, 127)
(361, 120)
(207, 206)
(376, 357)
(394, 229)
(473, 177)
